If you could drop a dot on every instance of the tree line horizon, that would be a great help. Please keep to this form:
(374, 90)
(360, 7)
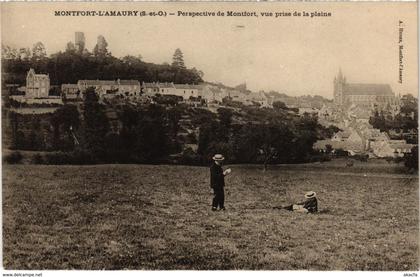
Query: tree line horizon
(77, 63)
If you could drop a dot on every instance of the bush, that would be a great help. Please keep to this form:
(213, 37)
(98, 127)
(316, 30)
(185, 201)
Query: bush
(411, 160)
(319, 158)
(82, 157)
(361, 157)
(189, 157)
(341, 153)
(76, 157)
(13, 158)
(37, 159)
(394, 159)
(58, 158)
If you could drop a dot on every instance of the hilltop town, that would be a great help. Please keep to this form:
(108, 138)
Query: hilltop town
(355, 113)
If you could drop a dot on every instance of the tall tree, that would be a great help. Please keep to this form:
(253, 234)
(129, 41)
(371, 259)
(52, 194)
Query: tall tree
(131, 60)
(152, 135)
(70, 47)
(178, 59)
(95, 124)
(409, 106)
(38, 51)
(197, 72)
(64, 121)
(100, 49)
(24, 53)
(279, 105)
(9, 53)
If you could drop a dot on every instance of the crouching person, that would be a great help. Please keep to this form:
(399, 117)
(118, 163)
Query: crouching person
(310, 205)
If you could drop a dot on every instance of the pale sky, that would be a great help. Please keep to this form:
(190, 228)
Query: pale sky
(295, 55)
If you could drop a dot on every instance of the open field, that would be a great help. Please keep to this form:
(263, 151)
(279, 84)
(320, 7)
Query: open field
(159, 217)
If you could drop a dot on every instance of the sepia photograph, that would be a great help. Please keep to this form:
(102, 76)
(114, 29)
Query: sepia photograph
(236, 136)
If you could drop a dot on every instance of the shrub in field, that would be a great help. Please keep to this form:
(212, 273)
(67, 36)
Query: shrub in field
(341, 153)
(320, 158)
(361, 157)
(398, 159)
(37, 159)
(82, 157)
(95, 125)
(76, 157)
(13, 158)
(394, 159)
(190, 157)
(328, 148)
(411, 160)
(58, 158)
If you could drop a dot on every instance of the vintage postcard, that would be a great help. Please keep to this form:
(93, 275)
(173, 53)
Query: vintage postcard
(210, 136)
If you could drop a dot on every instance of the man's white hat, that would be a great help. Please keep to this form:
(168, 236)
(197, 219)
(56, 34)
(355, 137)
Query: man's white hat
(218, 157)
(310, 194)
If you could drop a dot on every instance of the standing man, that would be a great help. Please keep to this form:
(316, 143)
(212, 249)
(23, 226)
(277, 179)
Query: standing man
(217, 182)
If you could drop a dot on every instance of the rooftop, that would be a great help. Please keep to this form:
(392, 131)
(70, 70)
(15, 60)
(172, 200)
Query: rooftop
(165, 85)
(368, 89)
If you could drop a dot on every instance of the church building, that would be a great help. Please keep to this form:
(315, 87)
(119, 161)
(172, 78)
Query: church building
(366, 95)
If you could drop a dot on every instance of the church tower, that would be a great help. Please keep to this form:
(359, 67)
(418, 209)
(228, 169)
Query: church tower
(339, 82)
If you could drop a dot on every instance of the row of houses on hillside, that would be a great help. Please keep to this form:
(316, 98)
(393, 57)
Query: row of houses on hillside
(37, 90)
(362, 138)
(133, 89)
(210, 93)
(185, 91)
(104, 88)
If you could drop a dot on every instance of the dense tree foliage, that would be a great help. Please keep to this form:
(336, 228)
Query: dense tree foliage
(65, 121)
(150, 134)
(95, 124)
(71, 66)
(270, 136)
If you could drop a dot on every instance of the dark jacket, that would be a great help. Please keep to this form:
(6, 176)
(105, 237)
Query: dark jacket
(310, 204)
(217, 179)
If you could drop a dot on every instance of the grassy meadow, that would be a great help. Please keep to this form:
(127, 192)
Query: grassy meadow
(159, 217)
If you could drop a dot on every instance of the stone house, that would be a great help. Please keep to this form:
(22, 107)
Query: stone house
(110, 88)
(258, 97)
(166, 89)
(212, 94)
(187, 91)
(70, 91)
(37, 85)
(150, 89)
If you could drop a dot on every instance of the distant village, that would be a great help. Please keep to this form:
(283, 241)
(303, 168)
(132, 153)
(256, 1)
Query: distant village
(351, 110)
(352, 106)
